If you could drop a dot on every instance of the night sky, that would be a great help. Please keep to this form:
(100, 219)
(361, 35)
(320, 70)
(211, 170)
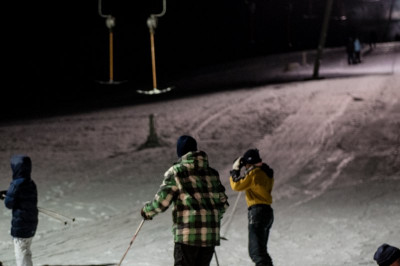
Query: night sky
(56, 50)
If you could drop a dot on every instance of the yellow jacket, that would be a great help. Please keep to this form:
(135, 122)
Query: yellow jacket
(257, 184)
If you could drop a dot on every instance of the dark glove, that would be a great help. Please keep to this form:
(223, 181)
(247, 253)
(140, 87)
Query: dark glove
(144, 215)
(237, 165)
(3, 194)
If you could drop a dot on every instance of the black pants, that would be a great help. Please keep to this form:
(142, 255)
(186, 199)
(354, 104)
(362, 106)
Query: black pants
(261, 218)
(192, 256)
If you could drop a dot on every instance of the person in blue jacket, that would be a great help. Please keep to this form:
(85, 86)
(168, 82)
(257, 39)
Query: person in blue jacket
(21, 197)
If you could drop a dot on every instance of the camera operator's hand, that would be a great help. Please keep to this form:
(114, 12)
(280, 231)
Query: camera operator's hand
(237, 164)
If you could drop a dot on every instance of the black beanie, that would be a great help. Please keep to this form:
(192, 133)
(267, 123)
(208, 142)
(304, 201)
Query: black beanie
(386, 255)
(185, 144)
(251, 156)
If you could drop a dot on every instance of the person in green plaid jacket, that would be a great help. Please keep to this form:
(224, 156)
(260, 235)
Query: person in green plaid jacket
(199, 202)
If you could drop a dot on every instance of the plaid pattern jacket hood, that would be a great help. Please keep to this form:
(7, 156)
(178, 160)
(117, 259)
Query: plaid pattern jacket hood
(198, 198)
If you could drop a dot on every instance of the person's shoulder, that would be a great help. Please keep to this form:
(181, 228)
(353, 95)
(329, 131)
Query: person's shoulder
(176, 167)
(258, 171)
(268, 170)
(172, 169)
(213, 171)
(201, 153)
(18, 181)
(253, 171)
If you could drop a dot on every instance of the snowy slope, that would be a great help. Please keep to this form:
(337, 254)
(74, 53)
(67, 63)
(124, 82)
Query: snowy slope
(334, 146)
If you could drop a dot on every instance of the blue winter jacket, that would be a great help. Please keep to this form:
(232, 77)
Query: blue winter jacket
(21, 197)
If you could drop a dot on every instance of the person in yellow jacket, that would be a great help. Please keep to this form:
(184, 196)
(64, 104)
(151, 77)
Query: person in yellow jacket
(257, 182)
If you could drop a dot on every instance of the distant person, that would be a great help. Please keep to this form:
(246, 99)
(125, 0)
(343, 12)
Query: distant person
(357, 50)
(257, 182)
(350, 51)
(21, 197)
(387, 255)
(199, 201)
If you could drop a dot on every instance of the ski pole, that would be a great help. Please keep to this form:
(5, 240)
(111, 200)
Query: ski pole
(56, 215)
(228, 222)
(216, 258)
(130, 244)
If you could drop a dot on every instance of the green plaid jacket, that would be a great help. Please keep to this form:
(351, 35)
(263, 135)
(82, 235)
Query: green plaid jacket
(198, 198)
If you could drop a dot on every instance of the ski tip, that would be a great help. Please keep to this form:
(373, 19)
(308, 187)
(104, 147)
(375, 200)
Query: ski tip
(223, 238)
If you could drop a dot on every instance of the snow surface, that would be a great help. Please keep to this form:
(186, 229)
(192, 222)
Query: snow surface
(334, 145)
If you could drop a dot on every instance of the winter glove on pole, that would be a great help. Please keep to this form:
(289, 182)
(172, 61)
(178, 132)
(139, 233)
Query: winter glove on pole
(130, 244)
(3, 194)
(144, 215)
(237, 165)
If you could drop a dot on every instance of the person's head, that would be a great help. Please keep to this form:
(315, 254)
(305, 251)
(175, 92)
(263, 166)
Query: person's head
(21, 166)
(251, 157)
(185, 144)
(387, 255)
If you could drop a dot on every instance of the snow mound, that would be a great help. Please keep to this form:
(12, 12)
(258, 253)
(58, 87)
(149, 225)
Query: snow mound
(334, 146)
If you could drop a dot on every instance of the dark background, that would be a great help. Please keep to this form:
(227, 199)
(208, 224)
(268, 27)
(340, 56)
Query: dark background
(57, 51)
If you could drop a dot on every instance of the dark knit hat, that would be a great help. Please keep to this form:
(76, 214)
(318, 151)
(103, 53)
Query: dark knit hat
(386, 255)
(185, 144)
(251, 156)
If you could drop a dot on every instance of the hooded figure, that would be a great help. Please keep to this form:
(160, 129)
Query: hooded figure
(21, 197)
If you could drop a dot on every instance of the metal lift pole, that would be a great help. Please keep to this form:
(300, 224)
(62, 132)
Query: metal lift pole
(152, 24)
(110, 23)
(321, 44)
(153, 57)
